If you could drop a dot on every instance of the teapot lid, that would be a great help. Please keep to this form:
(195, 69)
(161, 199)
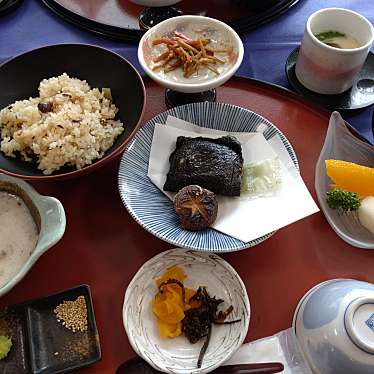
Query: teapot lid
(359, 323)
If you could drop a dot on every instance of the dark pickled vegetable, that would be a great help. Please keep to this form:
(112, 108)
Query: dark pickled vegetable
(45, 107)
(197, 323)
(196, 207)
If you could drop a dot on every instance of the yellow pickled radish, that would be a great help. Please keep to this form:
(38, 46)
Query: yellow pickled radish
(171, 301)
(174, 272)
(168, 330)
(351, 177)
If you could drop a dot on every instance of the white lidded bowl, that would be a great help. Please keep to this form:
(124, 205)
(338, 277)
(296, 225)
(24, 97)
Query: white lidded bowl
(49, 216)
(222, 32)
(155, 3)
(334, 324)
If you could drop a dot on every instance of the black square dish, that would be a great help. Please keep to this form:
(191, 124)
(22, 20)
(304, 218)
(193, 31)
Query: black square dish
(41, 344)
(13, 325)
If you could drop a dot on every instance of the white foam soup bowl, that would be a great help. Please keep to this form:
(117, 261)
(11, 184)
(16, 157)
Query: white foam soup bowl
(325, 69)
(48, 215)
(220, 33)
(334, 325)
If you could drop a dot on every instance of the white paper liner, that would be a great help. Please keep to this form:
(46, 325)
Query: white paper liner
(243, 218)
(282, 347)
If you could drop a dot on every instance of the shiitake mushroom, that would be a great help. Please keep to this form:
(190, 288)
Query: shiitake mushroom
(196, 207)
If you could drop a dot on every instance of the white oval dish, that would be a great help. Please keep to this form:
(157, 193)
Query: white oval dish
(341, 144)
(220, 33)
(334, 324)
(177, 355)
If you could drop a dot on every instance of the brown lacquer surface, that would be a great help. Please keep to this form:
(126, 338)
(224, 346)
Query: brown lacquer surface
(104, 247)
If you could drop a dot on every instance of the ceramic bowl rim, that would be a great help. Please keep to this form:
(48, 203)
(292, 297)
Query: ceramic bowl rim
(301, 302)
(307, 293)
(40, 248)
(333, 49)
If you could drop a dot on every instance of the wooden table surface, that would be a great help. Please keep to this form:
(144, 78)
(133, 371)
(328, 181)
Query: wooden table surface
(104, 247)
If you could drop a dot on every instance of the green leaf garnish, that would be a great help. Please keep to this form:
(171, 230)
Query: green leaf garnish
(326, 35)
(343, 201)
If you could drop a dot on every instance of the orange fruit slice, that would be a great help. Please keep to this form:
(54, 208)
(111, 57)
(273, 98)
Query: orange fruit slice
(351, 177)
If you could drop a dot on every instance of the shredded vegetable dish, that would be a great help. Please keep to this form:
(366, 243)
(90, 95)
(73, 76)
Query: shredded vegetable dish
(191, 55)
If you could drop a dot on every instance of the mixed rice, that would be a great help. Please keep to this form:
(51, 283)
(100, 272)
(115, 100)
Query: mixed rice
(67, 124)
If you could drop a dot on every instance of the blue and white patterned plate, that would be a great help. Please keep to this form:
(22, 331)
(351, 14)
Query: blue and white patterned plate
(151, 208)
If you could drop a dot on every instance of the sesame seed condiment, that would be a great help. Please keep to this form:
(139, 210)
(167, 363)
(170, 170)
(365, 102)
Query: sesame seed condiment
(73, 314)
(79, 347)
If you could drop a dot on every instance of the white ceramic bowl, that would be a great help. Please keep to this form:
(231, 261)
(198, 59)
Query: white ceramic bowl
(341, 144)
(334, 324)
(49, 217)
(155, 3)
(176, 82)
(178, 355)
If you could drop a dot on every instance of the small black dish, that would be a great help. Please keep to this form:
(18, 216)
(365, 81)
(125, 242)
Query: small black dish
(41, 344)
(174, 98)
(6, 6)
(135, 366)
(13, 325)
(257, 5)
(152, 16)
(359, 96)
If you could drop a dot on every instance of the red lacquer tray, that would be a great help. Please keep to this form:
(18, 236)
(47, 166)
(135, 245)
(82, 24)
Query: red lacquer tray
(104, 247)
(119, 18)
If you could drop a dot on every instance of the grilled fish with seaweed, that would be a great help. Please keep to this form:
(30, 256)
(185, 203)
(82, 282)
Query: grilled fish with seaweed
(214, 164)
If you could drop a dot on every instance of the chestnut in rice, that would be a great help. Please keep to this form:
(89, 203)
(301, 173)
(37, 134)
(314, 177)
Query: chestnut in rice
(197, 207)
